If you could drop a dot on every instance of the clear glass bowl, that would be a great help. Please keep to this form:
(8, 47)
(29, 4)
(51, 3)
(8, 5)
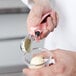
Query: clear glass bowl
(38, 52)
(34, 52)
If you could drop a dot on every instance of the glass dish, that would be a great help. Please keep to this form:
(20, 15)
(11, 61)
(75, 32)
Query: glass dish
(48, 60)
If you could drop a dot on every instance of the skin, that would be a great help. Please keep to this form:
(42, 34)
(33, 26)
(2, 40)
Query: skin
(65, 60)
(35, 16)
(65, 65)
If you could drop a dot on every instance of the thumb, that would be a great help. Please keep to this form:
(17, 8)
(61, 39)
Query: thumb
(34, 16)
(31, 72)
(26, 71)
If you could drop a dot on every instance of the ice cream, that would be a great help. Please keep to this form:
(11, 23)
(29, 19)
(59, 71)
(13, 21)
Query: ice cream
(26, 45)
(36, 62)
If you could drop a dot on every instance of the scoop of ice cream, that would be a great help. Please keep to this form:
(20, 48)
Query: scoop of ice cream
(36, 61)
(26, 45)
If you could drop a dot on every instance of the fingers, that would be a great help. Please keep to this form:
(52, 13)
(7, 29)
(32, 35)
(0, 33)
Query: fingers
(54, 17)
(34, 19)
(46, 71)
(52, 21)
(49, 28)
(52, 70)
(32, 24)
(50, 24)
(57, 19)
(34, 16)
(32, 72)
(59, 67)
(28, 72)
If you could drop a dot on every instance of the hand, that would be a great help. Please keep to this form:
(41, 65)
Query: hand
(65, 65)
(35, 16)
